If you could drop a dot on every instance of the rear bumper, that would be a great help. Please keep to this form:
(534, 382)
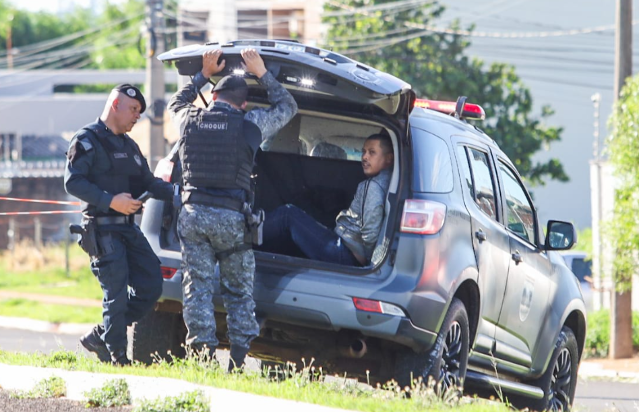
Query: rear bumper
(318, 303)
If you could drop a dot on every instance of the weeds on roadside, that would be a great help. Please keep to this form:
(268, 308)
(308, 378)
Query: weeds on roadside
(306, 384)
(187, 402)
(53, 387)
(114, 393)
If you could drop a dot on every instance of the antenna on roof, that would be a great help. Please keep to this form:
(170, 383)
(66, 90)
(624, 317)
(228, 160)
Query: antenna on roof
(459, 106)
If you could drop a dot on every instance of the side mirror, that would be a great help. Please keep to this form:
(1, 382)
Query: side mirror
(560, 235)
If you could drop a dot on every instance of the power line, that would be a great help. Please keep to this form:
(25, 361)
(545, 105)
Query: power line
(50, 44)
(516, 35)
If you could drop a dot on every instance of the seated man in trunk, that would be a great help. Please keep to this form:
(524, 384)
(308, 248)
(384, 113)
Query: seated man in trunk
(357, 228)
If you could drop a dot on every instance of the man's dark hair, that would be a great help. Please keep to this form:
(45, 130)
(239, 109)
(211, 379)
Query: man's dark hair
(234, 96)
(384, 140)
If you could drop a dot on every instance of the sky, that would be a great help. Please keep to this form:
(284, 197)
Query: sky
(562, 71)
(54, 6)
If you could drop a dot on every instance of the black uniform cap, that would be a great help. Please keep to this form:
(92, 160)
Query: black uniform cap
(133, 92)
(230, 83)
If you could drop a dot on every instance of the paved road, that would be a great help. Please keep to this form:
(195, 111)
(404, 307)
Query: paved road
(592, 395)
(600, 396)
(16, 340)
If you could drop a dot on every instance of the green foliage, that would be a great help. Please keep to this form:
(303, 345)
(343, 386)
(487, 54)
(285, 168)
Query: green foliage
(114, 393)
(584, 242)
(185, 402)
(79, 39)
(436, 66)
(622, 232)
(53, 387)
(598, 334)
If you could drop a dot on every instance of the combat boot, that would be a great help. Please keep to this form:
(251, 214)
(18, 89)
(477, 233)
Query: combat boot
(203, 352)
(236, 360)
(93, 342)
(118, 358)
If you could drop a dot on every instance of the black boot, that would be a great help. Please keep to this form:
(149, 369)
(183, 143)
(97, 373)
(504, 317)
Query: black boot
(93, 342)
(118, 358)
(236, 360)
(203, 351)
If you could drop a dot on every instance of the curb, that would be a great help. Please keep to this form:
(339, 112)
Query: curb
(593, 369)
(44, 326)
(147, 388)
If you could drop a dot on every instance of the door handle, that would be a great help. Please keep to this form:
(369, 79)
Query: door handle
(481, 235)
(517, 257)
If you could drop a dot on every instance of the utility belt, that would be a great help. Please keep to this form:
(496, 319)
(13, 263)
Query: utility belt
(94, 243)
(254, 221)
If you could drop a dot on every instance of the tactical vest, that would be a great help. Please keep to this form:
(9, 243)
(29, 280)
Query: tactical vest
(124, 176)
(214, 151)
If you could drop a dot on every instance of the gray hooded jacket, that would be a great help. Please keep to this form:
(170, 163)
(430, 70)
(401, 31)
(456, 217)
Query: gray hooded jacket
(359, 225)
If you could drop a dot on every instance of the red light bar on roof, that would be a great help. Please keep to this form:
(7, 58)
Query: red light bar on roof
(471, 111)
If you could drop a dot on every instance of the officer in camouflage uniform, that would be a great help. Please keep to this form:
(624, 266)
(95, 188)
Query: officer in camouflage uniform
(106, 170)
(217, 149)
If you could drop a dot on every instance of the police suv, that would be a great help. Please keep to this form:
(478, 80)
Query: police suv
(463, 287)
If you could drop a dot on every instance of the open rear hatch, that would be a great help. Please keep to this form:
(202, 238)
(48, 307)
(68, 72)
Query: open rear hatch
(309, 73)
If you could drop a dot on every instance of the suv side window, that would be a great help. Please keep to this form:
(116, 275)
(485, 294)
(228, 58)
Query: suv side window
(478, 179)
(432, 166)
(520, 216)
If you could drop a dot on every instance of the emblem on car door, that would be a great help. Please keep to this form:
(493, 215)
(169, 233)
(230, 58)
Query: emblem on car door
(526, 299)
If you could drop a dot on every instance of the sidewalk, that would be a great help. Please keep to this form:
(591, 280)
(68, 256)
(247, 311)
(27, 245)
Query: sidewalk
(141, 388)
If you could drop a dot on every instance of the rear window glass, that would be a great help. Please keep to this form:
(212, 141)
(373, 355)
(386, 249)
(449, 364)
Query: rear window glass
(432, 167)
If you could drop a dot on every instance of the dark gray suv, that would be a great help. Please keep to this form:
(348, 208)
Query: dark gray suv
(463, 286)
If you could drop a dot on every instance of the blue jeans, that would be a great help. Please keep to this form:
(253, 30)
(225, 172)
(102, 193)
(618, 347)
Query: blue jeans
(288, 228)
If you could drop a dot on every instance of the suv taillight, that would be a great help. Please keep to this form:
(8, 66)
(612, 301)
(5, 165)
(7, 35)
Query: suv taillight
(167, 272)
(164, 169)
(423, 217)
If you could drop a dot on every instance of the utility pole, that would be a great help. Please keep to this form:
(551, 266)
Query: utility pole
(154, 85)
(621, 308)
(9, 42)
(597, 205)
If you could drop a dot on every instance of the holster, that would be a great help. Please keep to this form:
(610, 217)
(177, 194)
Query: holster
(88, 239)
(254, 225)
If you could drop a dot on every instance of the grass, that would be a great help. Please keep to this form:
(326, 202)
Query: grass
(303, 386)
(194, 401)
(114, 393)
(23, 308)
(27, 269)
(53, 387)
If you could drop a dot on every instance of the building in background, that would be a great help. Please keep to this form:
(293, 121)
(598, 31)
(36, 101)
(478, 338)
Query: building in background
(226, 20)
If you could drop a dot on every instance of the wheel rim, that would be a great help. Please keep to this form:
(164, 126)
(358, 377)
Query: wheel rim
(451, 357)
(561, 382)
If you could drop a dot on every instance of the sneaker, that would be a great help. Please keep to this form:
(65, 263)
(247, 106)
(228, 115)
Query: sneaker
(94, 343)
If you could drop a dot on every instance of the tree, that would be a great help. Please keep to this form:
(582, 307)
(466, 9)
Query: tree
(389, 36)
(622, 232)
(78, 39)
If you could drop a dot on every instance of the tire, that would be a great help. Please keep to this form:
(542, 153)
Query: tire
(559, 382)
(446, 363)
(158, 335)
(277, 371)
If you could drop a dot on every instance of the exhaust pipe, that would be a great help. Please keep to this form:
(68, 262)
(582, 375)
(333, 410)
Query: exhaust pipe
(356, 349)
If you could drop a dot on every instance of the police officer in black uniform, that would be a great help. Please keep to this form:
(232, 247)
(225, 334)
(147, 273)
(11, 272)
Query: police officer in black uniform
(107, 172)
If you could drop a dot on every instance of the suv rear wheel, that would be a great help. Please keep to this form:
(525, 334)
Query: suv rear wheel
(158, 335)
(447, 361)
